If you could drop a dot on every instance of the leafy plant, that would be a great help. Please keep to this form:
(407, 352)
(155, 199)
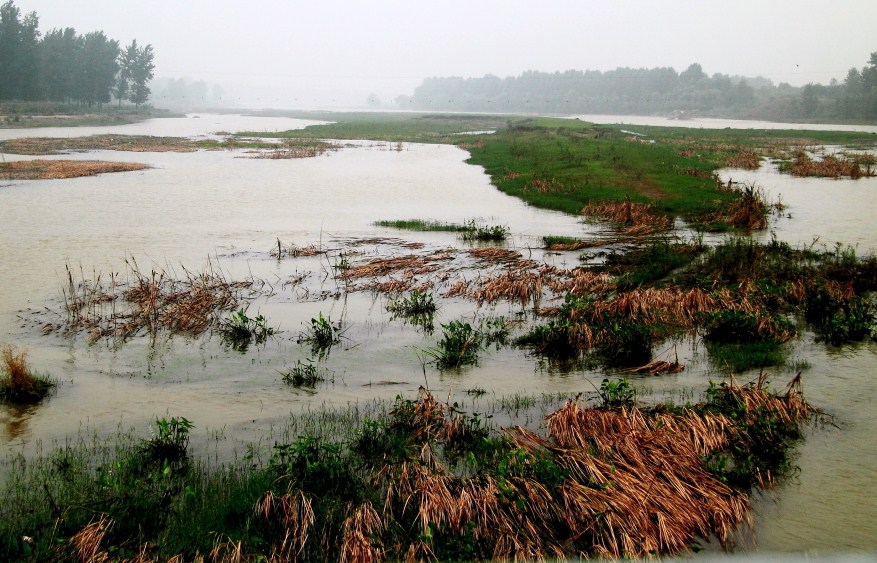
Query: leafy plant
(617, 393)
(321, 334)
(170, 440)
(303, 375)
(458, 347)
(239, 330)
(416, 303)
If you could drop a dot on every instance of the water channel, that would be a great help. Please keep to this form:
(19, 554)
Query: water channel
(227, 210)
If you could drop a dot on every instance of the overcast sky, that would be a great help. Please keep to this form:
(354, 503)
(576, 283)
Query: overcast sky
(292, 52)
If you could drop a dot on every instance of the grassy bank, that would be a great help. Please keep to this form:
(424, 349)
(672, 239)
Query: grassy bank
(567, 165)
(418, 479)
(19, 114)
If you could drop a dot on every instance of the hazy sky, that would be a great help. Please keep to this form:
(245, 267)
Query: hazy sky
(291, 52)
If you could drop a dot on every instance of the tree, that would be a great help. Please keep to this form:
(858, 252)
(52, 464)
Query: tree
(136, 72)
(59, 51)
(97, 67)
(19, 39)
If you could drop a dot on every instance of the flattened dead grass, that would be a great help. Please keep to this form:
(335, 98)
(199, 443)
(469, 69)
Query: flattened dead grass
(59, 169)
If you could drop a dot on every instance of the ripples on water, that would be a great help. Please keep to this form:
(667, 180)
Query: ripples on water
(221, 206)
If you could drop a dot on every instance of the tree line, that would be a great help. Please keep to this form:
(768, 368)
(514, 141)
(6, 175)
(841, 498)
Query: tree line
(653, 91)
(63, 66)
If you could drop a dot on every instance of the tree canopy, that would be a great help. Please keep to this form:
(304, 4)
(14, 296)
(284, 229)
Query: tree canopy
(64, 66)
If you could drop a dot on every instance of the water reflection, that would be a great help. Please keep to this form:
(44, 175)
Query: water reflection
(14, 420)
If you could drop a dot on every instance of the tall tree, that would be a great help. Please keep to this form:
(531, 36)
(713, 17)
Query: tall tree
(97, 68)
(19, 37)
(59, 52)
(137, 70)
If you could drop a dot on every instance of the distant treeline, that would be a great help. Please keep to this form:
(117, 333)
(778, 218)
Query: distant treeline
(64, 66)
(653, 91)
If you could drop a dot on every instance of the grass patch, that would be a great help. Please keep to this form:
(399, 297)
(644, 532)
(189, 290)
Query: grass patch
(419, 478)
(422, 225)
(322, 334)
(18, 383)
(303, 375)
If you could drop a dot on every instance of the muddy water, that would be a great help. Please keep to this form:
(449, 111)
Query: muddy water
(229, 210)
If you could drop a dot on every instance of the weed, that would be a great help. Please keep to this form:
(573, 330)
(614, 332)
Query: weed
(239, 330)
(417, 303)
(322, 334)
(838, 319)
(458, 347)
(484, 233)
(18, 384)
(615, 394)
(170, 441)
(303, 375)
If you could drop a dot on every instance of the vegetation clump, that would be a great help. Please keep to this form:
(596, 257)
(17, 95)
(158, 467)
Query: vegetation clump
(423, 479)
(303, 375)
(58, 169)
(239, 330)
(18, 384)
(321, 334)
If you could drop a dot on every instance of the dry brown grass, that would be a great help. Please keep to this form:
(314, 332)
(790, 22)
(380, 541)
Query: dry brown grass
(830, 166)
(59, 169)
(638, 219)
(153, 302)
(16, 369)
(133, 143)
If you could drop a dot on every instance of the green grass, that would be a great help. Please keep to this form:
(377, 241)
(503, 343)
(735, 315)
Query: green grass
(150, 497)
(422, 225)
(565, 164)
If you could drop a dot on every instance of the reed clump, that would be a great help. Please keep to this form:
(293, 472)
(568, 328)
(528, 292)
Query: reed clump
(830, 166)
(635, 219)
(18, 383)
(119, 308)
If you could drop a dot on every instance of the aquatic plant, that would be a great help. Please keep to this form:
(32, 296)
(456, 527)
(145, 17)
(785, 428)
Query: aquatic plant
(169, 443)
(416, 303)
(458, 347)
(484, 233)
(18, 383)
(321, 334)
(239, 330)
(303, 375)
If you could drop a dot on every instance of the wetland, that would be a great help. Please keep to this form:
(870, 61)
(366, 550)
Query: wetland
(217, 324)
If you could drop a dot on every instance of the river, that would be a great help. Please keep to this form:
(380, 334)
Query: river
(224, 208)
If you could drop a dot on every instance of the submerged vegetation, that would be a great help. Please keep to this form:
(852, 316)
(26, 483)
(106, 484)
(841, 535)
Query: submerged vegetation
(420, 480)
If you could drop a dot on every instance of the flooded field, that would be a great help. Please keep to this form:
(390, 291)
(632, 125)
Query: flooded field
(225, 211)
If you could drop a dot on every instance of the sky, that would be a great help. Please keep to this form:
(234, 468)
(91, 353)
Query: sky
(292, 53)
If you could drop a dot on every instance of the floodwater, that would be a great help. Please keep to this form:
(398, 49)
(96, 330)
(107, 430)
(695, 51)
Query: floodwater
(225, 210)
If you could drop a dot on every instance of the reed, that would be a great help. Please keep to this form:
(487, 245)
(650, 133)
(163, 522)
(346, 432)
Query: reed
(18, 383)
